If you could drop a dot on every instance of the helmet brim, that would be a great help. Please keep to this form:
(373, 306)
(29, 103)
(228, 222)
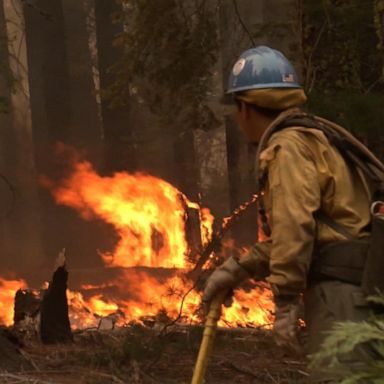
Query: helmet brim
(262, 86)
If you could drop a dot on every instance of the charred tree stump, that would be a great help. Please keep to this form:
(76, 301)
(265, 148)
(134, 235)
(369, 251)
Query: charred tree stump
(26, 319)
(27, 304)
(54, 321)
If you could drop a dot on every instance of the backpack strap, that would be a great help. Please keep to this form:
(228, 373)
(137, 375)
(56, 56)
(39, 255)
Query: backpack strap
(321, 216)
(351, 150)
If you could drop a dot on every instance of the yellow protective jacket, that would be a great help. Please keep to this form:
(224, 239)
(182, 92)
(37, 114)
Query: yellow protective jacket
(305, 174)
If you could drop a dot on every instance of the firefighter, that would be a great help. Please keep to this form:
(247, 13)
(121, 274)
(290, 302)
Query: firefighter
(305, 174)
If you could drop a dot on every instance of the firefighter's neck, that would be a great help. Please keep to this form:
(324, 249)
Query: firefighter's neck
(252, 122)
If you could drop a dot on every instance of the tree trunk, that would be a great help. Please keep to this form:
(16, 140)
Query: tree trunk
(186, 163)
(45, 31)
(120, 151)
(85, 128)
(210, 147)
(20, 219)
(51, 108)
(240, 155)
(6, 195)
(63, 110)
(284, 32)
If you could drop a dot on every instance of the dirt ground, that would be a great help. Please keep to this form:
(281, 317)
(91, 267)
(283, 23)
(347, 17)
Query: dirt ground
(138, 355)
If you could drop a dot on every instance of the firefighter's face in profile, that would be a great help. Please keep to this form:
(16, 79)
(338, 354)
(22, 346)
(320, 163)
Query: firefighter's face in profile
(252, 123)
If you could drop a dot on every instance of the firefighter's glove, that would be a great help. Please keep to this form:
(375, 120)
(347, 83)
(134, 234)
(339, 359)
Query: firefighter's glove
(224, 278)
(286, 325)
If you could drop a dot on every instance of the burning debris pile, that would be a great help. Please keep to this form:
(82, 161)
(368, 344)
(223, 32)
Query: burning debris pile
(158, 243)
(42, 313)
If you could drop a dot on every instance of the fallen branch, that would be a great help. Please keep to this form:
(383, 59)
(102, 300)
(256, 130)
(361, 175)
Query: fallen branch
(265, 374)
(174, 328)
(113, 378)
(245, 370)
(20, 379)
(149, 377)
(29, 359)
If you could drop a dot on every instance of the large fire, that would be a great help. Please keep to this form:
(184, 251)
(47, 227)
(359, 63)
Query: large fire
(149, 217)
(143, 209)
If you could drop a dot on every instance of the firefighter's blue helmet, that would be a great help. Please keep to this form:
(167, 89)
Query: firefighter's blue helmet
(262, 67)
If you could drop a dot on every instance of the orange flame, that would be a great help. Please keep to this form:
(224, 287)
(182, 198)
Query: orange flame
(254, 308)
(148, 215)
(8, 289)
(142, 208)
(207, 225)
(151, 297)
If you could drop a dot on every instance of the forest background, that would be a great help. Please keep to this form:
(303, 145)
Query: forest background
(138, 85)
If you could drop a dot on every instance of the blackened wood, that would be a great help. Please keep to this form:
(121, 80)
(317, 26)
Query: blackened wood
(193, 233)
(27, 303)
(54, 323)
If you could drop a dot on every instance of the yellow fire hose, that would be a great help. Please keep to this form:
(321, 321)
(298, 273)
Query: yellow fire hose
(206, 346)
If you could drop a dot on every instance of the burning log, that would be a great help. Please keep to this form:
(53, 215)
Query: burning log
(54, 321)
(193, 232)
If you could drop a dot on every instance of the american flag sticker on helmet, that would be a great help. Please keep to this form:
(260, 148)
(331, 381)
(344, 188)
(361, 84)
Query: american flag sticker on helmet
(288, 78)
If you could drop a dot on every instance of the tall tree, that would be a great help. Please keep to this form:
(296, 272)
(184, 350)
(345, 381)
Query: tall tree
(50, 105)
(169, 58)
(64, 110)
(85, 129)
(117, 128)
(49, 78)
(20, 225)
(343, 67)
(237, 18)
(6, 196)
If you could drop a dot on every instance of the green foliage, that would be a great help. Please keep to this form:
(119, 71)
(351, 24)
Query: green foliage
(343, 65)
(361, 113)
(365, 338)
(170, 50)
(340, 45)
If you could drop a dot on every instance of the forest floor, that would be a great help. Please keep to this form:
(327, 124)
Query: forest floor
(138, 355)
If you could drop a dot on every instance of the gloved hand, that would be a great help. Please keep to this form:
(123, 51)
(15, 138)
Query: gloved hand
(286, 325)
(224, 278)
